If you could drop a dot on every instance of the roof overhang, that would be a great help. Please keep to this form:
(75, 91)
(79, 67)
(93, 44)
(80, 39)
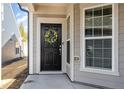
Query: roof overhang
(30, 6)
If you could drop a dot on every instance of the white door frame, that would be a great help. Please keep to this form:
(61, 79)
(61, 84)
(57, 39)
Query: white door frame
(55, 21)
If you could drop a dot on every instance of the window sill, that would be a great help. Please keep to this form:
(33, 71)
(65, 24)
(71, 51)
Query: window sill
(99, 71)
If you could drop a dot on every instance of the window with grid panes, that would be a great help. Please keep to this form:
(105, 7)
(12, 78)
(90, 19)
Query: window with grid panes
(98, 37)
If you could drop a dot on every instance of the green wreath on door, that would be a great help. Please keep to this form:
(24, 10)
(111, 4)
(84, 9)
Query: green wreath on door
(51, 36)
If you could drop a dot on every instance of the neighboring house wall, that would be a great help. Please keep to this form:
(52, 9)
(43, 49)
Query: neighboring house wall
(101, 79)
(9, 25)
(9, 50)
(10, 34)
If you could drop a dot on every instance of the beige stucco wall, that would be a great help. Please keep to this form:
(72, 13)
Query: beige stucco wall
(94, 78)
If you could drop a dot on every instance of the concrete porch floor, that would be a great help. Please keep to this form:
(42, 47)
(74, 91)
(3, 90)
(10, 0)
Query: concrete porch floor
(59, 81)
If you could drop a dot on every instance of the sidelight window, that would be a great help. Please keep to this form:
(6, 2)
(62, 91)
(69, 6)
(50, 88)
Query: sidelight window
(68, 40)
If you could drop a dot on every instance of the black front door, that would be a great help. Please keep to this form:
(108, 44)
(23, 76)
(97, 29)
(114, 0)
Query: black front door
(51, 47)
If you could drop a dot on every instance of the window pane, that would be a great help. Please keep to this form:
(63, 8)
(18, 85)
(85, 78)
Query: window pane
(107, 10)
(89, 48)
(88, 13)
(98, 43)
(68, 28)
(97, 62)
(107, 21)
(68, 52)
(89, 62)
(107, 63)
(98, 53)
(98, 11)
(97, 32)
(89, 52)
(107, 32)
(107, 53)
(88, 22)
(89, 44)
(101, 52)
(17, 50)
(107, 43)
(98, 21)
(88, 32)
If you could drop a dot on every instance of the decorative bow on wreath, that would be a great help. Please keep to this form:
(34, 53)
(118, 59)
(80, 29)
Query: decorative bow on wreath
(51, 36)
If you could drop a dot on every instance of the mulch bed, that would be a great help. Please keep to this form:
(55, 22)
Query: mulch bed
(11, 61)
(19, 80)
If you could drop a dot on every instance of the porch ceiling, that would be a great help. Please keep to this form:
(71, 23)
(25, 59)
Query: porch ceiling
(51, 4)
(47, 8)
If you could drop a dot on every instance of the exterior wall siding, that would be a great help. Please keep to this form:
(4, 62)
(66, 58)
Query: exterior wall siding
(121, 39)
(77, 30)
(110, 81)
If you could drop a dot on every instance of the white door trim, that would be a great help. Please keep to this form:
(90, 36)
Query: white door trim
(71, 65)
(56, 21)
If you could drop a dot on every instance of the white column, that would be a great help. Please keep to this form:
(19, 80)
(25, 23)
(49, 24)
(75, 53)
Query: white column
(1, 6)
(30, 43)
(72, 42)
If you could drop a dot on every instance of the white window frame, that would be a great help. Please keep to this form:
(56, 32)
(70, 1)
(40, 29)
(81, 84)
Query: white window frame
(114, 70)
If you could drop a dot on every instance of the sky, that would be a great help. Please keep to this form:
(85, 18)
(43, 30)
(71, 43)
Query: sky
(21, 16)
